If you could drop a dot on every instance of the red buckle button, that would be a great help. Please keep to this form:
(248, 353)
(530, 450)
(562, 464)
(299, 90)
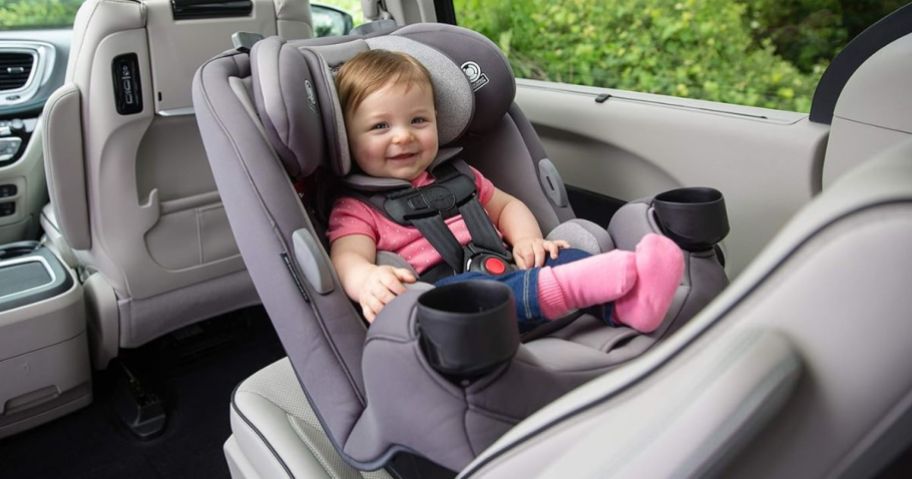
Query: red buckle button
(494, 266)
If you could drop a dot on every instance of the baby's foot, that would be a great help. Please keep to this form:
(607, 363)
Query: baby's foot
(659, 265)
(587, 282)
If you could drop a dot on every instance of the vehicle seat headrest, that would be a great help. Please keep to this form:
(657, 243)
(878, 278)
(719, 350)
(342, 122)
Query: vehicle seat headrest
(295, 94)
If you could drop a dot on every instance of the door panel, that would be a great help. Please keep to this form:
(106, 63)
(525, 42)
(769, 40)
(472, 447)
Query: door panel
(767, 163)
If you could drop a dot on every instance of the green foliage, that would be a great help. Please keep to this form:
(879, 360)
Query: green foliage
(691, 48)
(807, 33)
(37, 14)
(353, 7)
(859, 14)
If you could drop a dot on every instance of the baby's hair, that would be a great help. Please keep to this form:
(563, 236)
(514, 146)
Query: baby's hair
(369, 71)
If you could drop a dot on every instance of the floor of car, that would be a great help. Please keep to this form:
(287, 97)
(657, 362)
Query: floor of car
(193, 371)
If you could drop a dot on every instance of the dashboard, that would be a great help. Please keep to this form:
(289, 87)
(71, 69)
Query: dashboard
(32, 66)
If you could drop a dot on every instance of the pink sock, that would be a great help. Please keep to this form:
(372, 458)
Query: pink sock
(594, 280)
(659, 265)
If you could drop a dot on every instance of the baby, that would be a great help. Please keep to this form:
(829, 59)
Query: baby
(391, 120)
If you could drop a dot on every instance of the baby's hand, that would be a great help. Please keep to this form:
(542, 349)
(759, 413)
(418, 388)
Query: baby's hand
(528, 253)
(382, 286)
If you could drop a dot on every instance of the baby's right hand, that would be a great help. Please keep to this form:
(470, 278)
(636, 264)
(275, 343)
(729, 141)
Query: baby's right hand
(382, 286)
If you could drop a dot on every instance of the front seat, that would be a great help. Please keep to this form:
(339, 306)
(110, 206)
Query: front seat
(133, 201)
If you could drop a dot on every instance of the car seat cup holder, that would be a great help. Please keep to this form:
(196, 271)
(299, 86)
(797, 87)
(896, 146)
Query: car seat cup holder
(467, 329)
(694, 217)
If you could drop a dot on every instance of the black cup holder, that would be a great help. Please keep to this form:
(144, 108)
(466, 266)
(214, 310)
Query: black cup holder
(467, 329)
(695, 218)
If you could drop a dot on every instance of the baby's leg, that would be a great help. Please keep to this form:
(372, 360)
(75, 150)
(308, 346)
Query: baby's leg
(587, 282)
(659, 266)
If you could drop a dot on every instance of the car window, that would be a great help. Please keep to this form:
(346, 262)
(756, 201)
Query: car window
(37, 13)
(335, 17)
(768, 53)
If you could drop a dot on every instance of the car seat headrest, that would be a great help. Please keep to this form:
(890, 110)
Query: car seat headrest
(295, 93)
(482, 62)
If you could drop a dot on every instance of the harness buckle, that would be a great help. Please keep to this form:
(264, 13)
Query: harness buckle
(489, 262)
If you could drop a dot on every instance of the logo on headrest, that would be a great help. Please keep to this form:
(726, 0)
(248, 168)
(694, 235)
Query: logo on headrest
(311, 96)
(476, 77)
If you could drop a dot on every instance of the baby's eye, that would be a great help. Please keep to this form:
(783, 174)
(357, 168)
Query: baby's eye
(419, 120)
(379, 126)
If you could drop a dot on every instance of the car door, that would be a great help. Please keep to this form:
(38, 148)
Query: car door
(633, 98)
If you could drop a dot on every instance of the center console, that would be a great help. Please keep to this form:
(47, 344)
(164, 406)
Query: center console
(44, 361)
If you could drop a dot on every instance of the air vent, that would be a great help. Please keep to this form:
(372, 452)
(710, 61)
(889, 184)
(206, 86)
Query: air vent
(15, 69)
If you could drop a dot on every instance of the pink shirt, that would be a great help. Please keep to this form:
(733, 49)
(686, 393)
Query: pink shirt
(351, 216)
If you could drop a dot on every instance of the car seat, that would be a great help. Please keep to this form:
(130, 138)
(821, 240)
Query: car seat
(133, 202)
(271, 120)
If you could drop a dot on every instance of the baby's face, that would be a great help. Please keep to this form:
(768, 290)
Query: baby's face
(393, 132)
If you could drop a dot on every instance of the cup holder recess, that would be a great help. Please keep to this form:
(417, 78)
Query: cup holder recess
(695, 217)
(467, 329)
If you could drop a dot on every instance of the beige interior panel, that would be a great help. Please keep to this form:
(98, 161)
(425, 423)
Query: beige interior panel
(127, 223)
(872, 112)
(171, 158)
(836, 276)
(195, 40)
(765, 162)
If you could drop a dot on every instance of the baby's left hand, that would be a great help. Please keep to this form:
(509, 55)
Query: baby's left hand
(528, 253)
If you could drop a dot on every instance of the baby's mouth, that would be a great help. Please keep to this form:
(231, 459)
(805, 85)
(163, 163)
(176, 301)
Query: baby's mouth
(403, 156)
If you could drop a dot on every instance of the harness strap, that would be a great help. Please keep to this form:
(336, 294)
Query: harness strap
(480, 228)
(435, 230)
(425, 208)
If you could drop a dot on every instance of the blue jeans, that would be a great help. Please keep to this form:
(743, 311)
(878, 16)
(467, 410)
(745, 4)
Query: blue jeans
(524, 283)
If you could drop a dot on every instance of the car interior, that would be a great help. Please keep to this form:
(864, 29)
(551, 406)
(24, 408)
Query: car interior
(162, 229)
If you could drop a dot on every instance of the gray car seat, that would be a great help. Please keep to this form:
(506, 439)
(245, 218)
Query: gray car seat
(279, 126)
(133, 202)
(795, 370)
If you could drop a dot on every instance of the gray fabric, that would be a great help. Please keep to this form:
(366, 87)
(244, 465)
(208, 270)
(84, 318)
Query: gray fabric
(333, 118)
(503, 157)
(537, 152)
(291, 115)
(264, 211)
(584, 235)
(312, 261)
(631, 223)
(452, 92)
(495, 86)
(465, 418)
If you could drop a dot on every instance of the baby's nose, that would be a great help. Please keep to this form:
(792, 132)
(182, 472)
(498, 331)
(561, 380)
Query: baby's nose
(402, 135)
